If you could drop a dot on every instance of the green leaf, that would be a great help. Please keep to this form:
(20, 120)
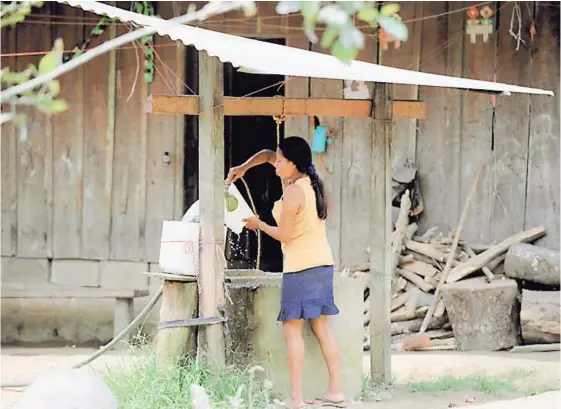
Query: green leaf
(394, 27)
(389, 10)
(58, 105)
(54, 87)
(329, 35)
(148, 77)
(53, 59)
(368, 14)
(52, 106)
(309, 8)
(14, 77)
(11, 20)
(345, 54)
(23, 10)
(33, 69)
(48, 63)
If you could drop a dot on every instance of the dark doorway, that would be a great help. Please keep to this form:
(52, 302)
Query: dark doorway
(244, 136)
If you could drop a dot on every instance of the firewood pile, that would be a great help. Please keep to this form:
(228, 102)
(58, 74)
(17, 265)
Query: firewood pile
(422, 264)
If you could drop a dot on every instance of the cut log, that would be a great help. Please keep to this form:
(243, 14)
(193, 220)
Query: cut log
(415, 279)
(407, 258)
(398, 284)
(411, 230)
(425, 249)
(486, 270)
(402, 314)
(432, 281)
(416, 299)
(536, 348)
(424, 259)
(407, 327)
(479, 248)
(439, 334)
(533, 263)
(418, 267)
(540, 317)
(440, 308)
(492, 265)
(399, 301)
(474, 264)
(484, 316)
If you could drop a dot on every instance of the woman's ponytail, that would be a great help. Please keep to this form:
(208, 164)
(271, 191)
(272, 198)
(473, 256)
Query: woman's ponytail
(319, 190)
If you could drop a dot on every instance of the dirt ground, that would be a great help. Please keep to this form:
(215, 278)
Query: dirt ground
(538, 370)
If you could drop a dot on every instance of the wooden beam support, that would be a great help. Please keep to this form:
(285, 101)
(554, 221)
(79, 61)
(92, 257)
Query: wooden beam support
(234, 106)
(380, 234)
(211, 197)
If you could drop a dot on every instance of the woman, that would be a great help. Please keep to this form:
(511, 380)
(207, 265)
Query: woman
(307, 285)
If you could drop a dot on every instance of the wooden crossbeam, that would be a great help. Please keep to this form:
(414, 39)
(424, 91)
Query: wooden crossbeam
(260, 106)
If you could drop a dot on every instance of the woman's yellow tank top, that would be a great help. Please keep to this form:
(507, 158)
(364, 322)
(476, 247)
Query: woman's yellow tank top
(308, 246)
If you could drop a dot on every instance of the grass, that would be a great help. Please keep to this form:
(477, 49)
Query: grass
(488, 384)
(142, 383)
(492, 385)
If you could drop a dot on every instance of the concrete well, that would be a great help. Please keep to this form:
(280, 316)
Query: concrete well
(254, 337)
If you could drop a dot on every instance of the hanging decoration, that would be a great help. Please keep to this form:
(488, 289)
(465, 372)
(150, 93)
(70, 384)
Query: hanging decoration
(385, 38)
(479, 23)
(146, 8)
(321, 137)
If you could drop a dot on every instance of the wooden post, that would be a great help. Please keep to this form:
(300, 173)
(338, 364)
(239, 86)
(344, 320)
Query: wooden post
(380, 233)
(179, 302)
(211, 200)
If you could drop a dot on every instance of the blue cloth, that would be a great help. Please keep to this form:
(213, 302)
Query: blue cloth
(307, 294)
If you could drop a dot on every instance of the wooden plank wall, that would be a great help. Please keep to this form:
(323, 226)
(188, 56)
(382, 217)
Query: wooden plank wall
(542, 185)
(9, 161)
(83, 187)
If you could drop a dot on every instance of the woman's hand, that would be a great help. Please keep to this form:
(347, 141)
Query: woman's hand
(235, 173)
(252, 223)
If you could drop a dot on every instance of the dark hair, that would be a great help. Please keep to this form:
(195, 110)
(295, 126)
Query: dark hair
(297, 150)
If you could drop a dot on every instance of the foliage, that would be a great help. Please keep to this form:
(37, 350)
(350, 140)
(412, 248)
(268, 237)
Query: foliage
(16, 11)
(141, 382)
(341, 33)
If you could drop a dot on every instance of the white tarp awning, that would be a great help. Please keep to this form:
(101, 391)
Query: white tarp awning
(265, 58)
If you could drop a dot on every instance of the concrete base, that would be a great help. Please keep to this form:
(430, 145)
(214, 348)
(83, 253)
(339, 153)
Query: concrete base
(253, 335)
(256, 338)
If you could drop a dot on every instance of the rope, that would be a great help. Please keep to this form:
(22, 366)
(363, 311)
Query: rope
(258, 261)
(278, 120)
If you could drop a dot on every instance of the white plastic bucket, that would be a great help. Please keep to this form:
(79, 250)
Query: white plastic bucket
(179, 248)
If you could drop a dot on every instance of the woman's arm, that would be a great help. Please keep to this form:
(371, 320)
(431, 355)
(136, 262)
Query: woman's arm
(264, 156)
(292, 201)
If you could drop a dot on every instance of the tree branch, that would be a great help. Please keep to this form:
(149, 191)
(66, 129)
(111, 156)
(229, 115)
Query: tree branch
(201, 14)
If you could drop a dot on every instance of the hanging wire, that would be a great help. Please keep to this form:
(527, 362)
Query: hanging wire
(516, 13)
